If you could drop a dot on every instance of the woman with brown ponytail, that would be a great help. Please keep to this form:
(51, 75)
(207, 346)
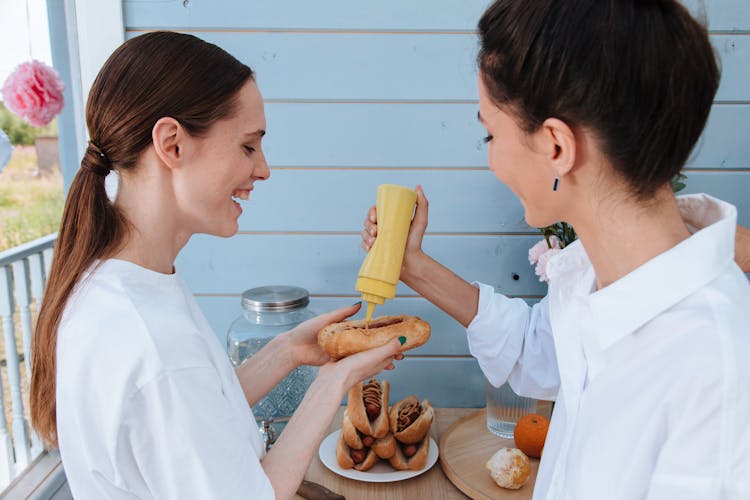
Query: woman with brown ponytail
(127, 377)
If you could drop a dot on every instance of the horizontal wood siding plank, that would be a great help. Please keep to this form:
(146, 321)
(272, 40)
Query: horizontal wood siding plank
(374, 134)
(304, 200)
(356, 66)
(722, 15)
(406, 67)
(355, 135)
(461, 201)
(733, 187)
(304, 15)
(328, 264)
(734, 53)
(724, 142)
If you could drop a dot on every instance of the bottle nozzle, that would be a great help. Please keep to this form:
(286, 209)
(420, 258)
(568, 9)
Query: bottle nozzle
(372, 302)
(370, 310)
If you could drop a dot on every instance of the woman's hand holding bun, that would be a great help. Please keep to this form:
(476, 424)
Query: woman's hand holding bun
(362, 365)
(351, 369)
(302, 341)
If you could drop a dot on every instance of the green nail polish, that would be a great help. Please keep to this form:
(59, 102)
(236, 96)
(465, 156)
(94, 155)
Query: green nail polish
(402, 339)
(357, 304)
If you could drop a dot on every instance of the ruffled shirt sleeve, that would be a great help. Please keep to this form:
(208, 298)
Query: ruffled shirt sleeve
(513, 342)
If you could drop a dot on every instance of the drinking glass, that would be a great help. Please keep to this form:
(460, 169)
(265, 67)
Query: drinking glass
(504, 408)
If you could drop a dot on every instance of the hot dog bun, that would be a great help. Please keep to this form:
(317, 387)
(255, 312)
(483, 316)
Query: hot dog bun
(350, 434)
(410, 420)
(399, 461)
(345, 460)
(385, 447)
(377, 394)
(349, 337)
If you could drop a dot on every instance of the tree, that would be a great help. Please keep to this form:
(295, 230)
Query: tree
(20, 132)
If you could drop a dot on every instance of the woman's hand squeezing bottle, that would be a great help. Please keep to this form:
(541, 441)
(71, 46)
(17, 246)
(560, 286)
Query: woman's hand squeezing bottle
(413, 251)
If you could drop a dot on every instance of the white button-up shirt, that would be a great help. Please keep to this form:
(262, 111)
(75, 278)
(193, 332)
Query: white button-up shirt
(651, 374)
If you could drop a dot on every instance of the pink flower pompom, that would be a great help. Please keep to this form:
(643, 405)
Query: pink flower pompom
(541, 265)
(34, 91)
(541, 248)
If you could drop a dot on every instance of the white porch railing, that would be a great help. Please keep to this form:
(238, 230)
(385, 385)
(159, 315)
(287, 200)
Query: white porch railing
(23, 274)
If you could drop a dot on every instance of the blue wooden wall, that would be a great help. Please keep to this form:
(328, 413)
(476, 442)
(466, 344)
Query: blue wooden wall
(363, 93)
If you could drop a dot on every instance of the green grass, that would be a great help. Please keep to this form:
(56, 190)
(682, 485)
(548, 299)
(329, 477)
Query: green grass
(30, 205)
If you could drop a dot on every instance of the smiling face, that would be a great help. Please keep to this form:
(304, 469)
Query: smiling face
(222, 165)
(524, 162)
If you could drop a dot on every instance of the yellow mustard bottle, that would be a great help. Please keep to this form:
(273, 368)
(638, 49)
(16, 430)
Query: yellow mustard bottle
(381, 268)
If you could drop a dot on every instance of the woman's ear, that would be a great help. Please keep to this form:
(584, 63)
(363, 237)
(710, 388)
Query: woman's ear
(168, 136)
(560, 145)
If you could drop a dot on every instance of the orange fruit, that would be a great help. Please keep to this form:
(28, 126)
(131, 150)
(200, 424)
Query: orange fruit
(530, 433)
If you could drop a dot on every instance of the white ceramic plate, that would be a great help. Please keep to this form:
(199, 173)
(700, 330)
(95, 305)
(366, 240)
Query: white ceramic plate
(381, 472)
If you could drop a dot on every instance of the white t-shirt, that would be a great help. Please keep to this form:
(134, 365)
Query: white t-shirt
(651, 374)
(148, 404)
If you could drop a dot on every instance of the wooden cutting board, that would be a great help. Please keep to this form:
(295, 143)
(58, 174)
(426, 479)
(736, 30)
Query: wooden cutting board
(464, 449)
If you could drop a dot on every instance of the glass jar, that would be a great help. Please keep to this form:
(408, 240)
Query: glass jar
(267, 312)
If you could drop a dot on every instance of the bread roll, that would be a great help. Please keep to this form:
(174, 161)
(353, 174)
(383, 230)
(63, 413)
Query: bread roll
(352, 437)
(345, 456)
(410, 420)
(385, 447)
(401, 461)
(367, 407)
(349, 337)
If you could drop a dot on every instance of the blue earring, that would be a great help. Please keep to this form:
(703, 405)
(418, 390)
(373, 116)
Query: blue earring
(556, 183)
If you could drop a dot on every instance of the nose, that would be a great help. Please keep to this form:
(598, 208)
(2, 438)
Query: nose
(261, 170)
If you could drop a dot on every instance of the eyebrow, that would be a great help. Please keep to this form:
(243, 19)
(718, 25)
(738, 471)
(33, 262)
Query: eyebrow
(479, 117)
(258, 133)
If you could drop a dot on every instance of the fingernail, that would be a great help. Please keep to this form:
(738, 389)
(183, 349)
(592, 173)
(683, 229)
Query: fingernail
(357, 304)
(402, 339)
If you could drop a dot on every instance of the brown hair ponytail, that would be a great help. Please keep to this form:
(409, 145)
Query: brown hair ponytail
(148, 77)
(90, 227)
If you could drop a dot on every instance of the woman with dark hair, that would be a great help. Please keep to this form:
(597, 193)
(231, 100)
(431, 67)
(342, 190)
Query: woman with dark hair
(591, 108)
(127, 376)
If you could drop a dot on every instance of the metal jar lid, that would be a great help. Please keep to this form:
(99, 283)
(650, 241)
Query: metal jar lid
(276, 298)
